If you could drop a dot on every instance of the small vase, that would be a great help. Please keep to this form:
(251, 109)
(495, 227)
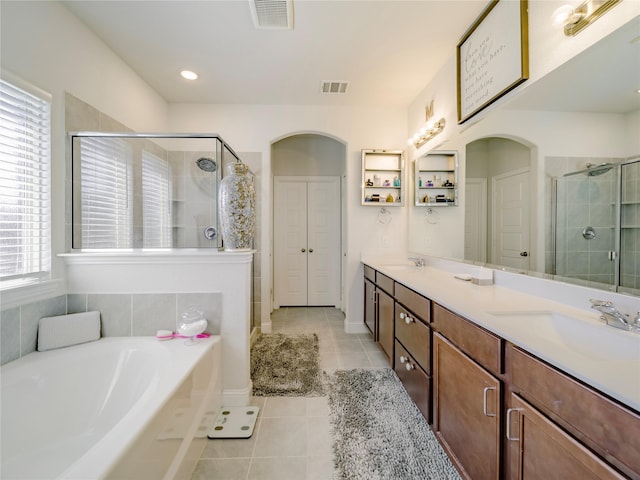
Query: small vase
(237, 200)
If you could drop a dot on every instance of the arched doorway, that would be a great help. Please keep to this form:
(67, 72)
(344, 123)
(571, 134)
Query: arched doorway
(498, 211)
(307, 227)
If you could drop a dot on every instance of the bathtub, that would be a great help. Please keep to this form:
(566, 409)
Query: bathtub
(125, 408)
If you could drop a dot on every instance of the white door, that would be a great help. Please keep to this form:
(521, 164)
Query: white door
(307, 241)
(475, 220)
(511, 220)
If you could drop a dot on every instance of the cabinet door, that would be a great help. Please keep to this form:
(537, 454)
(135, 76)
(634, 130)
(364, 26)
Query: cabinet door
(538, 450)
(385, 323)
(370, 307)
(466, 412)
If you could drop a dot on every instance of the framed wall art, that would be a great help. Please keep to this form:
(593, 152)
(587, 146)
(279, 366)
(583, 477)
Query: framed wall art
(492, 57)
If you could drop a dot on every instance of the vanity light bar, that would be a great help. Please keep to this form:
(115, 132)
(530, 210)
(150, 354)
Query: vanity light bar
(587, 13)
(430, 130)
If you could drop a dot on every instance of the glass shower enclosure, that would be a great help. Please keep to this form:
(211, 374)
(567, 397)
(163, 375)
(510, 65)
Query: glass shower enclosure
(597, 226)
(146, 191)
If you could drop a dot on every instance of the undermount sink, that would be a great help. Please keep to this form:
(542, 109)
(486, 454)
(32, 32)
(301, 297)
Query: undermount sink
(400, 266)
(596, 341)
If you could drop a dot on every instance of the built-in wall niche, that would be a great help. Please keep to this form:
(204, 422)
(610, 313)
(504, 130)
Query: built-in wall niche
(383, 177)
(436, 179)
(146, 191)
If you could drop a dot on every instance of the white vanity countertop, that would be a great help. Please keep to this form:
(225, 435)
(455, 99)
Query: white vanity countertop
(573, 340)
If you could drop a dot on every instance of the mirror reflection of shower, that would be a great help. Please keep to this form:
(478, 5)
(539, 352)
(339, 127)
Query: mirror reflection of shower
(597, 225)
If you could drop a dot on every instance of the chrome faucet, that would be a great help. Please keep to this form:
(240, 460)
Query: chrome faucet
(612, 316)
(418, 262)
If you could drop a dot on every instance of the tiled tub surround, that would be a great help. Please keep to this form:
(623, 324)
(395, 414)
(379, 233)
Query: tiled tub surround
(180, 271)
(620, 379)
(128, 407)
(121, 315)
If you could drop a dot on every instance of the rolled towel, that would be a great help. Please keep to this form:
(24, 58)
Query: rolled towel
(66, 330)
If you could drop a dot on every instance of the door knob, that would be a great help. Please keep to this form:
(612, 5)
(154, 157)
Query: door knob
(311, 250)
(524, 254)
(303, 250)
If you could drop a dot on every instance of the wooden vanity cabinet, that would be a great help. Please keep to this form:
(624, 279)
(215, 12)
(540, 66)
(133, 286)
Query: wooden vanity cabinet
(378, 309)
(415, 380)
(413, 346)
(537, 449)
(605, 427)
(466, 411)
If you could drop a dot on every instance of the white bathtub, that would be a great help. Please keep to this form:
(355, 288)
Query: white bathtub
(127, 407)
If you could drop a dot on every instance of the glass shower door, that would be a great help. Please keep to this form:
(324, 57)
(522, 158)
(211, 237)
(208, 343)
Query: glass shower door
(586, 225)
(630, 227)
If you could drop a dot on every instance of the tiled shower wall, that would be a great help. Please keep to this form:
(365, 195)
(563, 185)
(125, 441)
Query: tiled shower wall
(121, 315)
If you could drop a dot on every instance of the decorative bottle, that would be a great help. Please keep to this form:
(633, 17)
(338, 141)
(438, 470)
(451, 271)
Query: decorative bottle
(237, 200)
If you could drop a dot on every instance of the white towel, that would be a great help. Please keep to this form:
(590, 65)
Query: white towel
(65, 330)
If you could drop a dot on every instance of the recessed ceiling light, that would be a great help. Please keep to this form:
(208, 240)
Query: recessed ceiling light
(189, 75)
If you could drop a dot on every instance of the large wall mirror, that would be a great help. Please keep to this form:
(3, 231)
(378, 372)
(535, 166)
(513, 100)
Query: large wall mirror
(539, 207)
(147, 191)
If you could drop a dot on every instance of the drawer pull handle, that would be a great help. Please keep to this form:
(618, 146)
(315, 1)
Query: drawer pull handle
(484, 402)
(409, 367)
(407, 318)
(403, 359)
(508, 426)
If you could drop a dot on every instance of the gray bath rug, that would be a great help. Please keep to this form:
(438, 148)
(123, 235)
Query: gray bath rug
(286, 365)
(378, 432)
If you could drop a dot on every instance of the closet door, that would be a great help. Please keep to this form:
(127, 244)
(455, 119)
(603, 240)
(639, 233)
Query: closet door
(323, 240)
(306, 241)
(290, 242)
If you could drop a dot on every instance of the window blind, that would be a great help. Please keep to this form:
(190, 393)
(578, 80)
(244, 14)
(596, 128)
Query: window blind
(107, 193)
(25, 230)
(156, 201)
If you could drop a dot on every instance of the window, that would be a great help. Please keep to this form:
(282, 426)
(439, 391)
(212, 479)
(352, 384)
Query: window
(156, 202)
(106, 188)
(25, 200)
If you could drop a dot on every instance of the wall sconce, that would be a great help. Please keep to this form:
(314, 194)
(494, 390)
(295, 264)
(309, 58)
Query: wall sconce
(426, 133)
(576, 19)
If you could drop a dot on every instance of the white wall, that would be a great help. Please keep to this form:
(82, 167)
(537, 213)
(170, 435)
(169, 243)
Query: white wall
(46, 46)
(547, 133)
(255, 127)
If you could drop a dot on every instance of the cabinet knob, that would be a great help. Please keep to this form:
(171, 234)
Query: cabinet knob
(403, 359)
(311, 250)
(408, 319)
(303, 250)
(409, 367)
(402, 315)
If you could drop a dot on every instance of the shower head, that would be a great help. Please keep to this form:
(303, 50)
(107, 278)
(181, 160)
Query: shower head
(593, 170)
(206, 164)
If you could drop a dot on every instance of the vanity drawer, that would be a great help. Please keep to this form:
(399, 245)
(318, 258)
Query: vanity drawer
(415, 336)
(484, 347)
(416, 382)
(384, 282)
(415, 302)
(370, 273)
(606, 427)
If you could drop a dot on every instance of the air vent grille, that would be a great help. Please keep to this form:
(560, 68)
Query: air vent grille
(327, 86)
(272, 14)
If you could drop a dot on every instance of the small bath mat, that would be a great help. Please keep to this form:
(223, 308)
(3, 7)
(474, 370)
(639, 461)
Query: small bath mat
(286, 365)
(234, 422)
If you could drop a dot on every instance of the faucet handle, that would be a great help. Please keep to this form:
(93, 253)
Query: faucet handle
(600, 303)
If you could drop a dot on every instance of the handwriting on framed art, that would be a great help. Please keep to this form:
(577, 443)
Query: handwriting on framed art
(492, 57)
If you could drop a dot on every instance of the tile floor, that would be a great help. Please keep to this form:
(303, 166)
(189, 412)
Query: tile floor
(292, 438)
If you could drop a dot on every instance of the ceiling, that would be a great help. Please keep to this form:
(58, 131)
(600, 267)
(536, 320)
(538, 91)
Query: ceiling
(388, 50)
(605, 78)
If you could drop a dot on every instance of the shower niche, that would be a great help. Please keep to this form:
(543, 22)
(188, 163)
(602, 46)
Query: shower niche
(146, 191)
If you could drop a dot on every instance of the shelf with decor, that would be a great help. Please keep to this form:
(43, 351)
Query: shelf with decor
(383, 178)
(436, 179)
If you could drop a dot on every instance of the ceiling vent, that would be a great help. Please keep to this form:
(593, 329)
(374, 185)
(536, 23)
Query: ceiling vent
(333, 87)
(272, 14)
